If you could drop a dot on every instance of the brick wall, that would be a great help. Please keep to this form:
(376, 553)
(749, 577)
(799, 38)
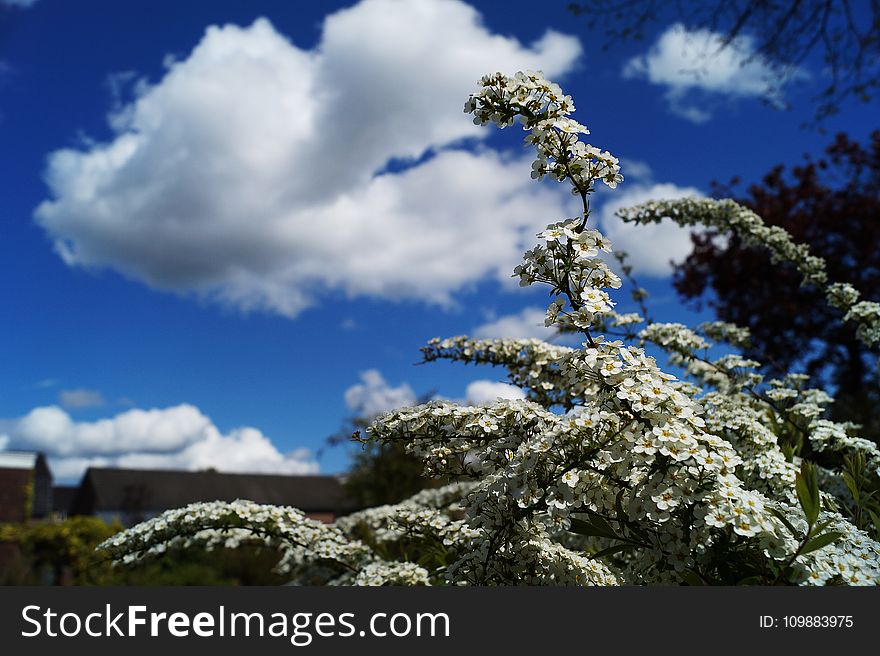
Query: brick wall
(13, 494)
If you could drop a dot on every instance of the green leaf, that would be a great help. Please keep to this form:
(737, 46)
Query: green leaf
(813, 482)
(640, 534)
(581, 527)
(612, 550)
(821, 541)
(821, 526)
(876, 520)
(618, 506)
(851, 486)
(599, 522)
(691, 578)
(787, 452)
(856, 462)
(782, 518)
(829, 504)
(808, 492)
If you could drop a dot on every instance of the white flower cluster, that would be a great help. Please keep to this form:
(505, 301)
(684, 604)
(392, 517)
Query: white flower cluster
(568, 262)
(675, 337)
(310, 551)
(723, 331)
(394, 573)
(221, 523)
(640, 478)
(625, 319)
(544, 111)
(739, 404)
(833, 436)
(531, 364)
(428, 514)
(726, 214)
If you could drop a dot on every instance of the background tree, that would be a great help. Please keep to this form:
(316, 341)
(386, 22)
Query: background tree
(379, 473)
(845, 34)
(833, 205)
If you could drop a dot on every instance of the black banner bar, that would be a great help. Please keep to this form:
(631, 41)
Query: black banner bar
(287, 620)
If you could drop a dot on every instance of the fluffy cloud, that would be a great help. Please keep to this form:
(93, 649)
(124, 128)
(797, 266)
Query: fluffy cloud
(698, 61)
(179, 437)
(488, 391)
(373, 395)
(636, 170)
(80, 398)
(650, 247)
(523, 325)
(257, 173)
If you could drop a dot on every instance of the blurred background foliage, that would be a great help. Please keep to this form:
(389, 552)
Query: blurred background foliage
(63, 553)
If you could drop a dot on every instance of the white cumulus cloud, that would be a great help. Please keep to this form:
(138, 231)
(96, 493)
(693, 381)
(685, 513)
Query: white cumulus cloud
(373, 395)
(693, 65)
(488, 391)
(528, 323)
(178, 437)
(256, 173)
(650, 247)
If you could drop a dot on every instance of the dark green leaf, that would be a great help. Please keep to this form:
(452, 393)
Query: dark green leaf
(691, 578)
(612, 550)
(599, 522)
(586, 528)
(808, 492)
(821, 541)
(813, 482)
(851, 485)
(876, 520)
(618, 506)
(782, 518)
(821, 526)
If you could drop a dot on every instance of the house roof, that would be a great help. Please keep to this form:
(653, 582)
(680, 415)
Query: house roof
(18, 459)
(140, 489)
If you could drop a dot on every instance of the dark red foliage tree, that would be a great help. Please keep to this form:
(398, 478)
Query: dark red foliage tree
(832, 204)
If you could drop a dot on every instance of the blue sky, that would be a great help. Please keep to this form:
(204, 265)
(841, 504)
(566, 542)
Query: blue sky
(228, 225)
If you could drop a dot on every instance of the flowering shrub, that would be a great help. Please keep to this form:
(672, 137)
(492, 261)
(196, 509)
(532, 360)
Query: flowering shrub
(612, 471)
